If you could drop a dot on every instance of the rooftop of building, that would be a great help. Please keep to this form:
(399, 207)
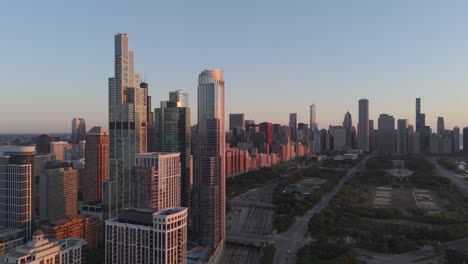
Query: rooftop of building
(136, 217)
(159, 154)
(170, 211)
(97, 131)
(18, 150)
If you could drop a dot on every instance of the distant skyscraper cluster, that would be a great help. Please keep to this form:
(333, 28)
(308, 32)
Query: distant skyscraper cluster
(153, 181)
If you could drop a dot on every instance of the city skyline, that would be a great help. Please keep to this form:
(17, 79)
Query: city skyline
(396, 57)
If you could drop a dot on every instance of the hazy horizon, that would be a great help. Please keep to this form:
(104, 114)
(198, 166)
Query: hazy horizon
(277, 58)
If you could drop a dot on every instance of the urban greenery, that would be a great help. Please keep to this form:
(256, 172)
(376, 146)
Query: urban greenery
(290, 206)
(323, 252)
(253, 179)
(268, 254)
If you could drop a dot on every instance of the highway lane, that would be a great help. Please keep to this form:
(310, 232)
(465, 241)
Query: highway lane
(288, 243)
(455, 179)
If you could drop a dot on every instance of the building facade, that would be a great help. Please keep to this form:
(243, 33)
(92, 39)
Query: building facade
(293, 125)
(386, 136)
(42, 251)
(173, 135)
(209, 185)
(157, 181)
(62, 190)
(127, 125)
(97, 164)
(402, 136)
(78, 131)
(141, 236)
(363, 126)
(17, 188)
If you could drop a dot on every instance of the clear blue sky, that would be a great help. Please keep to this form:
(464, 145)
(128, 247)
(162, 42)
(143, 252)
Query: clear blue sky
(278, 57)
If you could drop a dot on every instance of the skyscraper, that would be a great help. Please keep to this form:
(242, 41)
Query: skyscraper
(17, 188)
(420, 117)
(127, 124)
(43, 144)
(97, 164)
(363, 126)
(267, 129)
(440, 125)
(456, 139)
(386, 134)
(78, 130)
(157, 181)
(402, 136)
(172, 134)
(209, 200)
(149, 121)
(62, 150)
(236, 120)
(313, 120)
(465, 139)
(62, 190)
(293, 125)
(348, 126)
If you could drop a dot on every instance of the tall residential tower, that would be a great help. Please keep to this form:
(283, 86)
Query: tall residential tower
(127, 125)
(209, 184)
(363, 126)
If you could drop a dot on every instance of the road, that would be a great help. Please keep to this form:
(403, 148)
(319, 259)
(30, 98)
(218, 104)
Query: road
(453, 177)
(288, 243)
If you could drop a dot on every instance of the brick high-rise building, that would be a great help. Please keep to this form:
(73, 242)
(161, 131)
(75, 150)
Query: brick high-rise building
(85, 227)
(62, 190)
(97, 164)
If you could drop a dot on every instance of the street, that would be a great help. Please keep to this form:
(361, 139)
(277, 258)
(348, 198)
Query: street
(455, 179)
(288, 243)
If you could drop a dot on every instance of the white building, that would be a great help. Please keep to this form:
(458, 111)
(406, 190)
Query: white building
(157, 181)
(62, 150)
(141, 236)
(41, 251)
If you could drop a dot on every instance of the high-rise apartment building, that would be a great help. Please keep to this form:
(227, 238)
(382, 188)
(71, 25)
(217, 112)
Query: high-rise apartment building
(313, 120)
(465, 139)
(78, 131)
(363, 126)
(339, 138)
(209, 185)
(386, 134)
(267, 129)
(144, 236)
(236, 120)
(179, 98)
(149, 121)
(348, 125)
(173, 135)
(17, 188)
(293, 125)
(440, 125)
(62, 190)
(402, 136)
(62, 150)
(97, 164)
(456, 139)
(127, 125)
(157, 181)
(43, 144)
